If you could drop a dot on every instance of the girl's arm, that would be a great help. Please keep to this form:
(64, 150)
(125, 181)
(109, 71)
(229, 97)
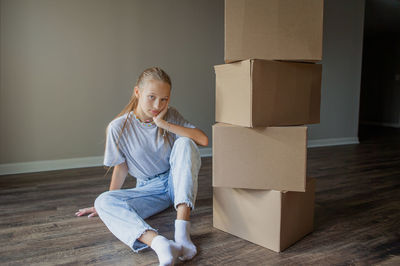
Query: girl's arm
(195, 134)
(118, 177)
(117, 180)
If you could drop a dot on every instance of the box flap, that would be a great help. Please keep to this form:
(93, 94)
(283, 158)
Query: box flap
(297, 214)
(285, 93)
(251, 92)
(233, 92)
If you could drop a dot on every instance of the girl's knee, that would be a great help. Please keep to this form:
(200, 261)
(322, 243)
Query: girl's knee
(102, 200)
(185, 141)
(186, 147)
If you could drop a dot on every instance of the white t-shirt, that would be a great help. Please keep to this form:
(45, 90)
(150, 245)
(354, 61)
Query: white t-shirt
(142, 148)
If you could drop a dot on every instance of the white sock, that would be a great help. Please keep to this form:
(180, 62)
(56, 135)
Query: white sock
(167, 250)
(182, 237)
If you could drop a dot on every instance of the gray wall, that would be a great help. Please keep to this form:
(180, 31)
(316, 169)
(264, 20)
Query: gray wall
(68, 67)
(341, 76)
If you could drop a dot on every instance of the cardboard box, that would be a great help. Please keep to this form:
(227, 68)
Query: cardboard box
(268, 218)
(259, 158)
(273, 29)
(260, 93)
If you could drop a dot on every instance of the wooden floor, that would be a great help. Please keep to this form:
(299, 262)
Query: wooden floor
(357, 215)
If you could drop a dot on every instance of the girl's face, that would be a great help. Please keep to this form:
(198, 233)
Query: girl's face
(153, 97)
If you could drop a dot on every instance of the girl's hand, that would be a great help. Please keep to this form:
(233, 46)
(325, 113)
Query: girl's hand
(158, 119)
(92, 212)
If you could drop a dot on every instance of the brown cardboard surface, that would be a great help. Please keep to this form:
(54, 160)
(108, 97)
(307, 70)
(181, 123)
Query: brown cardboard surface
(259, 93)
(297, 206)
(273, 29)
(260, 158)
(268, 218)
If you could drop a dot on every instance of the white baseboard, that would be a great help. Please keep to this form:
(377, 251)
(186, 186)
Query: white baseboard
(205, 152)
(332, 142)
(50, 165)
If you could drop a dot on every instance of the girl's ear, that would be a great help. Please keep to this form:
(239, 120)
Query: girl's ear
(137, 92)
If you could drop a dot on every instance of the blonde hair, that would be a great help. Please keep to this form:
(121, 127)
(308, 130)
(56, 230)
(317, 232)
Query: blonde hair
(152, 73)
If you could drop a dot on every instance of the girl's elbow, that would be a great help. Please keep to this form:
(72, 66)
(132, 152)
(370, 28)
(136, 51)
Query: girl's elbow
(204, 141)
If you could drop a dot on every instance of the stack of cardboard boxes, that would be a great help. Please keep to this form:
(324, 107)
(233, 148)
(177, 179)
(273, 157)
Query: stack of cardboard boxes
(269, 88)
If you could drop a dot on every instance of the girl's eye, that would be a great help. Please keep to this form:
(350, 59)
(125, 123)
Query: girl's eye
(151, 97)
(164, 100)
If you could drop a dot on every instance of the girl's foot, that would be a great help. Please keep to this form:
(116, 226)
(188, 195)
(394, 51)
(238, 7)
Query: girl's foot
(182, 237)
(166, 250)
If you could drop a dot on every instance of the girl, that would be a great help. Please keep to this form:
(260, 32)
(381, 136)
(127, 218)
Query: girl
(155, 144)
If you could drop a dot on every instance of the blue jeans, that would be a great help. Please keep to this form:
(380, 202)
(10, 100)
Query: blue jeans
(123, 210)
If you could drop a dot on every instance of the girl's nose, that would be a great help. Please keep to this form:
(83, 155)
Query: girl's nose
(157, 104)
